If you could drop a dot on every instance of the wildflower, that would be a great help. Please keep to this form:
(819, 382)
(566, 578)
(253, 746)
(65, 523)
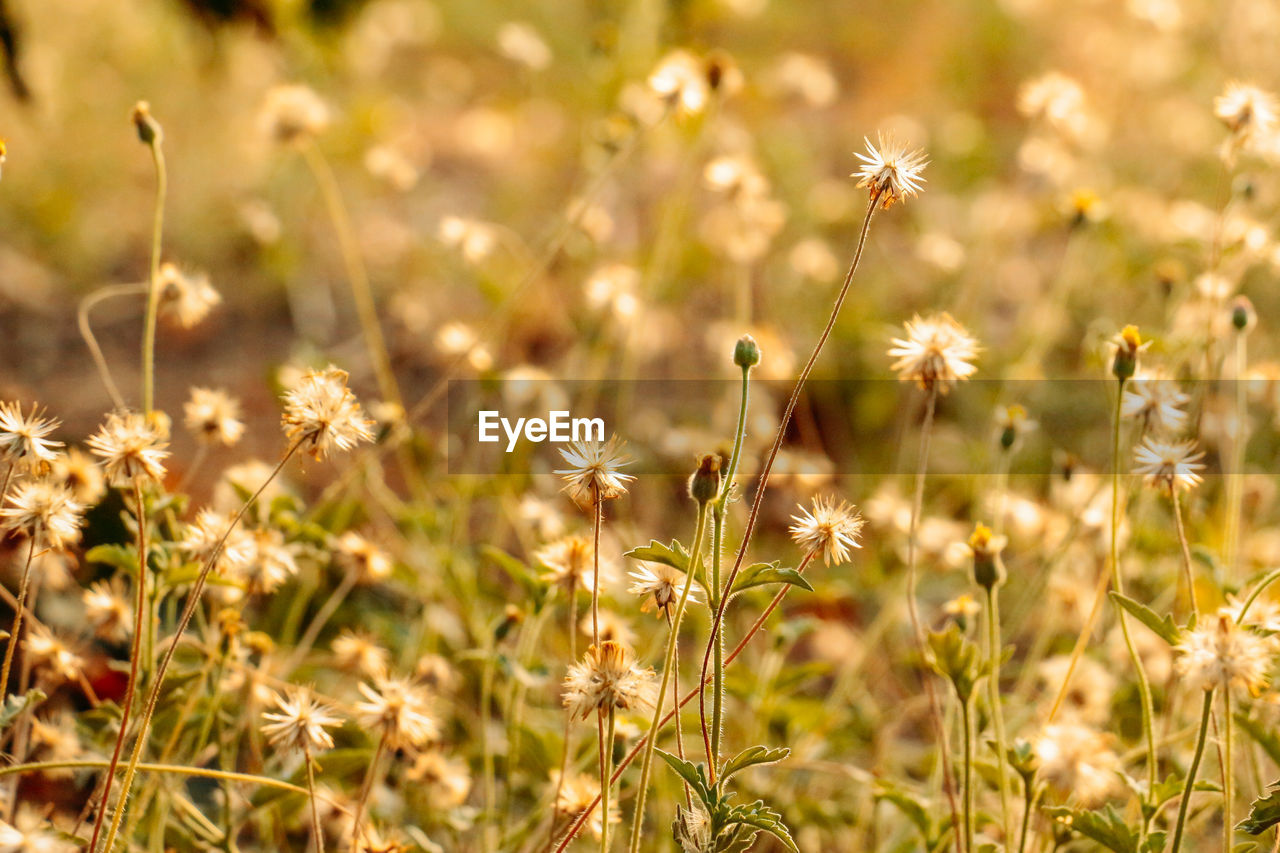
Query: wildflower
(608, 677)
(568, 561)
(576, 793)
(447, 780)
(399, 711)
(1077, 760)
(1171, 466)
(936, 351)
(213, 417)
(831, 529)
(611, 626)
(891, 172)
(149, 131)
(45, 511)
(186, 298)
(370, 563)
(202, 537)
(272, 563)
(661, 587)
(55, 739)
(293, 113)
(1219, 653)
(359, 652)
(680, 79)
(321, 413)
(107, 609)
(1155, 402)
(301, 722)
(435, 672)
(23, 438)
(50, 653)
(131, 448)
(1013, 423)
(988, 569)
(76, 470)
(1247, 111)
(1128, 345)
(1059, 102)
(593, 474)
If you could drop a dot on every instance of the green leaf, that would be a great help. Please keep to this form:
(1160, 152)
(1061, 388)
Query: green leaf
(1166, 629)
(1106, 827)
(517, 569)
(1265, 812)
(764, 574)
(750, 757)
(908, 803)
(15, 705)
(956, 659)
(673, 555)
(117, 556)
(759, 816)
(693, 774)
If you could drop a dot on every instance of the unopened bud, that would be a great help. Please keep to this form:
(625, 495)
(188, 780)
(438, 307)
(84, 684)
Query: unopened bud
(746, 352)
(988, 568)
(704, 485)
(148, 128)
(1243, 317)
(1128, 345)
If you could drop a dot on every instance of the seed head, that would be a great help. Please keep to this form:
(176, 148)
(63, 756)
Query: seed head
(45, 511)
(1219, 653)
(321, 413)
(132, 447)
(568, 560)
(186, 298)
(890, 171)
(398, 711)
(831, 530)
(370, 563)
(661, 586)
(213, 417)
(23, 437)
(608, 677)
(936, 350)
(1155, 402)
(107, 609)
(293, 113)
(300, 722)
(593, 471)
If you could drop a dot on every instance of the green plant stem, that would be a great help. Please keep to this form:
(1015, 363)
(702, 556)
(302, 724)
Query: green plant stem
(316, 828)
(188, 611)
(968, 775)
(606, 773)
(646, 763)
(1189, 574)
(1205, 713)
(1228, 782)
(1270, 578)
(153, 284)
(135, 652)
(596, 513)
(19, 610)
(1235, 477)
(568, 722)
(370, 780)
(1029, 805)
(91, 340)
(719, 513)
(997, 712)
(488, 773)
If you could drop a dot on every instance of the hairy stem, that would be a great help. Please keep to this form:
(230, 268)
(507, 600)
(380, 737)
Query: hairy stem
(153, 284)
(1191, 772)
(19, 610)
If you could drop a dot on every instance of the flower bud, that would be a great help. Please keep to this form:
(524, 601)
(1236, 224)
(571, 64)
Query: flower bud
(148, 128)
(1128, 345)
(746, 352)
(1243, 317)
(988, 568)
(704, 485)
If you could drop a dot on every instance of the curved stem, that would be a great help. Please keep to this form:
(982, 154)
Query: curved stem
(1271, 578)
(997, 712)
(19, 610)
(1191, 772)
(316, 828)
(91, 340)
(1186, 554)
(153, 285)
(370, 779)
(597, 513)
(193, 601)
(646, 764)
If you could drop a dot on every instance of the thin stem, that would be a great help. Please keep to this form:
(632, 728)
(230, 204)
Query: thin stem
(997, 712)
(568, 722)
(968, 775)
(322, 617)
(597, 512)
(370, 777)
(1029, 804)
(1186, 553)
(1228, 782)
(1258, 590)
(316, 829)
(1235, 477)
(19, 610)
(488, 774)
(1191, 772)
(153, 284)
(606, 772)
(675, 701)
(646, 764)
(193, 601)
(135, 653)
(91, 340)
(357, 276)
(763, 483)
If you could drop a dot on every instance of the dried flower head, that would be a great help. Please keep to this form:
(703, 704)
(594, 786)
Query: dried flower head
(399, 711)
(447, 780)
(936, 351)
(569, 561)
(593, 473)
(357, 554)
(211, 536)
(1220, 653)
(293, 113)
(661, 586)
(44, 510)
(576, 793)
(890, 171)
(300, 722)
(107, 609)
(213, 417)
(321, 413)
(78, 471)
(132, 447)
(1171, 466)
(608, 677)
(1246, 110)
(1155, 402)
(359, 652)
(1077, 760)
(681, 79)
(52, 656)
(23, 438)
(832, 529)
(186, 298)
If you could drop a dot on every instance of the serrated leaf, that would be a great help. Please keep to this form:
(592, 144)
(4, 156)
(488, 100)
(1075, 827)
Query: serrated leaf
(764, 574)
(750, 757)
(1106, 826)
(1265, 812)
(1165, 628)
(759, 816)
(692, 774)
(15, 705)
(673, 555)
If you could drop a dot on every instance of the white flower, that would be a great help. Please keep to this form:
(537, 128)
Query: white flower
(831, 530)
(594, 471)
(936, 349)
(891, 172)
(1171, 466)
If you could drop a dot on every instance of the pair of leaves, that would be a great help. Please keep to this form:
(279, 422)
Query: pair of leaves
(1164, 627)
(732, 827)
(1107, 828)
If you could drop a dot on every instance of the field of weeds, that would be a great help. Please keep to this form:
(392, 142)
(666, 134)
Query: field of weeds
(716, 425)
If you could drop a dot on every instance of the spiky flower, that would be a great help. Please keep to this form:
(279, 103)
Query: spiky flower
(890, 170)
(398, 711)
(608, 677)
(300, 722)
(186, 298)
(937, 351)
(1077, 760)
(576, 793)
(661, 586)
(107, 609)
(1171, 466)
(447, 780)
(23, 437)
(321, 413)
(45, 511)
(359, 652)
(293, 113)
(132, 447)
(568, 562)
(357, 554)
(78, 471)
(831, 529)
(213, 417)
(1246, 110)
(1219, 653)
(593, 471)
(1156, 403)
(201, 538)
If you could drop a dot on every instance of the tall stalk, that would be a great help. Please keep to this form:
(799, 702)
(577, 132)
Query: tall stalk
(316, 829)
(1188, 574)
(997, 712)
(152, 138)
(1189, 785)
(370, 779)
(1235, 477)
(646, 763)
(965, 720)
(1228, 783)
(606, 777)
(19, 610)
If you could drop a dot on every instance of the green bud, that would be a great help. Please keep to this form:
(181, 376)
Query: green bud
(746, 352)
(704, 485)
(148, 128)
